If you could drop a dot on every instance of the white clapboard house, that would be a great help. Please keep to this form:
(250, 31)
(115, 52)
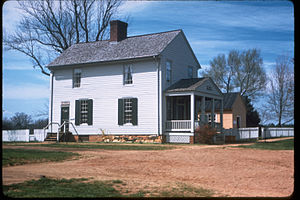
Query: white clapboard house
(144, 85)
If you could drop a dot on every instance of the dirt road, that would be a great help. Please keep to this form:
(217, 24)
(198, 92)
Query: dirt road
(228, 171)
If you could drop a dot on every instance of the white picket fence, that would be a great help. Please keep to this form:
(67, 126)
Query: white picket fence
(243, 133)
(253, 133)
(23, 135)
(277, 132)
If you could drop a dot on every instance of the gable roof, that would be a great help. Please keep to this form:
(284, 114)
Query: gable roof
(191, 84)
(103, 51)
(186, 85)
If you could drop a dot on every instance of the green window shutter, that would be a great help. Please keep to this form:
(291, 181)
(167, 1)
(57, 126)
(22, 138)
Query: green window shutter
(134, 111)
(90, 112)
(120, 111)
(77, 112)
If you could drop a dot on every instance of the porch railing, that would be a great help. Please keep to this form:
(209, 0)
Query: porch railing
(185, 125)
(178, 125)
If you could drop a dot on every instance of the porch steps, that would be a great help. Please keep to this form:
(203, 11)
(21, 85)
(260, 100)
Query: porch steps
(51, 137)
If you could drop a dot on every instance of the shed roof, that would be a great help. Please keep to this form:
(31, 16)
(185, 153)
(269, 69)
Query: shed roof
(101, 51)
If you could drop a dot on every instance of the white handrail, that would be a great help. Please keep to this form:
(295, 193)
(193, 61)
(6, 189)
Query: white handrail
(48, 126)
(64, 124)
(59, 127)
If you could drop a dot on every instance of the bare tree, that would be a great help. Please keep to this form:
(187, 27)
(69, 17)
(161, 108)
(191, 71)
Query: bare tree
(280, 98)
(221, 70)
(241, 71)
(250, 77)
(49, 27)
(21, 120)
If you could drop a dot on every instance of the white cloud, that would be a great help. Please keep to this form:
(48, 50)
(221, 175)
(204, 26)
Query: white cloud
(16, 67)
(11, 15)
(25, 91)
(129, 7)
(255, 15)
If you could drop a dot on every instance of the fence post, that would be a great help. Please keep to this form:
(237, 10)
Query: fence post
(249, 134)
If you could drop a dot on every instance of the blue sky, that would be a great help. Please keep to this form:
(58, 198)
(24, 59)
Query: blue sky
(211, 27)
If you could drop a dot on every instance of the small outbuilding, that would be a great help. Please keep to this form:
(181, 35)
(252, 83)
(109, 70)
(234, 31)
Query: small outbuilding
(234, 111)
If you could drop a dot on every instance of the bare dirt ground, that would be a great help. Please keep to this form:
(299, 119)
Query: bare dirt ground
(228, 171)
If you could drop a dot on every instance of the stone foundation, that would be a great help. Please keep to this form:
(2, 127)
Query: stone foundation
(119, 138)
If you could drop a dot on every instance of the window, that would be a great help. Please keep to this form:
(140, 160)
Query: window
(127, 111)
(209, 117)
(127, 74)
(84, 111)
(168, 71)
(76, 78)
(190, 71)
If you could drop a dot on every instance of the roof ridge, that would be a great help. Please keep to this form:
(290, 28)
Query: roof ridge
(198, 83)
(128, 37)
(154, 33)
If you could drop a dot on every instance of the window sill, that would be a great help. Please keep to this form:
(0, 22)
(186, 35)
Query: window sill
(128, 85)
(128, 124)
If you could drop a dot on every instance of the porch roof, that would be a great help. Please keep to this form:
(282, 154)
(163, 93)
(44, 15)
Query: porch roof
(186, 85)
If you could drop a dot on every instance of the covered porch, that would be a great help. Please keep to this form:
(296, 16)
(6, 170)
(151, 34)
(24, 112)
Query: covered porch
(191, 103)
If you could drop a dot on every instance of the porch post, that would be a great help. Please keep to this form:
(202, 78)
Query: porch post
(202, 116)
(212, 113)
(192, 112)
(221, 116)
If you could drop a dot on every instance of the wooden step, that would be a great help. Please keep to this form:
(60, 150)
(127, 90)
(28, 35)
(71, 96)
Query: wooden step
(51, 136)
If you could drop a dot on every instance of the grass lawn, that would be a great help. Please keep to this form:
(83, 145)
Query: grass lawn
(12, 157)
(105, 146)
(276, 145)
(47, 188)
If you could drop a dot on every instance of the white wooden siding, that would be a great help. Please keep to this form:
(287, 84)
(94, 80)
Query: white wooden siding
(209, 88)
(181, 56)
(104, 84)
(179, 53)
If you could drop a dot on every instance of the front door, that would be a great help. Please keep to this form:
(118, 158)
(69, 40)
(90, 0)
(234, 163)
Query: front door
(64, 117)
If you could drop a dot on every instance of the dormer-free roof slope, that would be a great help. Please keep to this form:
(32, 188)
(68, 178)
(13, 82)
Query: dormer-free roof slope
(104, 51)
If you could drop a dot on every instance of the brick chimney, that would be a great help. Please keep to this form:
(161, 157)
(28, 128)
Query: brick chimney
(118, 30)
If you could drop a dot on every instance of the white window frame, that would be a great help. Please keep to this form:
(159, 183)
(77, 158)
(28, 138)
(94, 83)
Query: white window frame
(77, 78)
(84, 111)
(168, 71)
(127, 75)
(127, 117)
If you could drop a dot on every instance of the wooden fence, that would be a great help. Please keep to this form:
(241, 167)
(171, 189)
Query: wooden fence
(253, 133)
(277, 132)
(243, 133)
(23, 135)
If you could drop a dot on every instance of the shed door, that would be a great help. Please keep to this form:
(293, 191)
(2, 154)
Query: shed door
(238, 122)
